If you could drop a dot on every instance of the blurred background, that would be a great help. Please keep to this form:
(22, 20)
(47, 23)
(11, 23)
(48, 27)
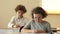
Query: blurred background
(7, 10)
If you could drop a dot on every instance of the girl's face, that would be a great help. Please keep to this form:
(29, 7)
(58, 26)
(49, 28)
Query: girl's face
(20, 13)
(37, 17)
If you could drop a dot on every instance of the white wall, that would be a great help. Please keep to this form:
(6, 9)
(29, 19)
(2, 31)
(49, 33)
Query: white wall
(7, 9)
(54, 20)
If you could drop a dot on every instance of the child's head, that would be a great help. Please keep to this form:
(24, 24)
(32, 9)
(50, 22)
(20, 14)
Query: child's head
(38, 13)
(20, 10)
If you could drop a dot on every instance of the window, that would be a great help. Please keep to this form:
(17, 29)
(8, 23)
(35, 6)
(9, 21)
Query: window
(51, 6)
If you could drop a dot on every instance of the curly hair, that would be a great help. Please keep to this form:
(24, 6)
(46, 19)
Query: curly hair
(20, 7)
(39, 10)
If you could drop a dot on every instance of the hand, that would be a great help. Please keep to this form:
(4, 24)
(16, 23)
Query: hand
(16, 26)
(38, 31)
(34, 31)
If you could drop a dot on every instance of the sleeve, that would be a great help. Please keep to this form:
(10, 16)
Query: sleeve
(11, 22)
(28, 25)
(48, 28)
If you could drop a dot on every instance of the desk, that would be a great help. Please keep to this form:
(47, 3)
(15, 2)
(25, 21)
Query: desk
(5, 30)
(27, 33)
(16, 31)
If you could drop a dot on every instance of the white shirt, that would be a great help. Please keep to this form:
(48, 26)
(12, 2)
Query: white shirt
(15, 20)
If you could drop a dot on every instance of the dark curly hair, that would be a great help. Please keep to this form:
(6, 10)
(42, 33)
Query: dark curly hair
(21, 7)
(39, 10)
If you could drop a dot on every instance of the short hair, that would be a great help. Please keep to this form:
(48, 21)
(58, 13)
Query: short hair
(39, 10)
(21, 7)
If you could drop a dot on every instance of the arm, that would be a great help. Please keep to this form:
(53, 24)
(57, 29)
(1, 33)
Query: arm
(27, 28)
(48, 28)
(32, 31)
(12, 23)
(40, 31)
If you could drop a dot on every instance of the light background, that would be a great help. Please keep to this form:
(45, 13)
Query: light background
(51, 6)
(7, 11)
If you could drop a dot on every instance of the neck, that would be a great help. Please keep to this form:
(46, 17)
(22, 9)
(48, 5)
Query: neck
(40, 21)
(19, 17)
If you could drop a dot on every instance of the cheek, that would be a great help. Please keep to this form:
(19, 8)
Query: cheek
(35, 19)
(40, 19)
(18, 13)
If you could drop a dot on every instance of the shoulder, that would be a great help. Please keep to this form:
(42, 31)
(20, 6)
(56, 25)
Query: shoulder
(13, 17)
(25, 18)
(31, 21)
(46, 22)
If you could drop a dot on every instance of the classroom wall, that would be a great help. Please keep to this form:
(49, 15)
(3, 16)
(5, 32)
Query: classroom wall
(54, 20)
(7, 11)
